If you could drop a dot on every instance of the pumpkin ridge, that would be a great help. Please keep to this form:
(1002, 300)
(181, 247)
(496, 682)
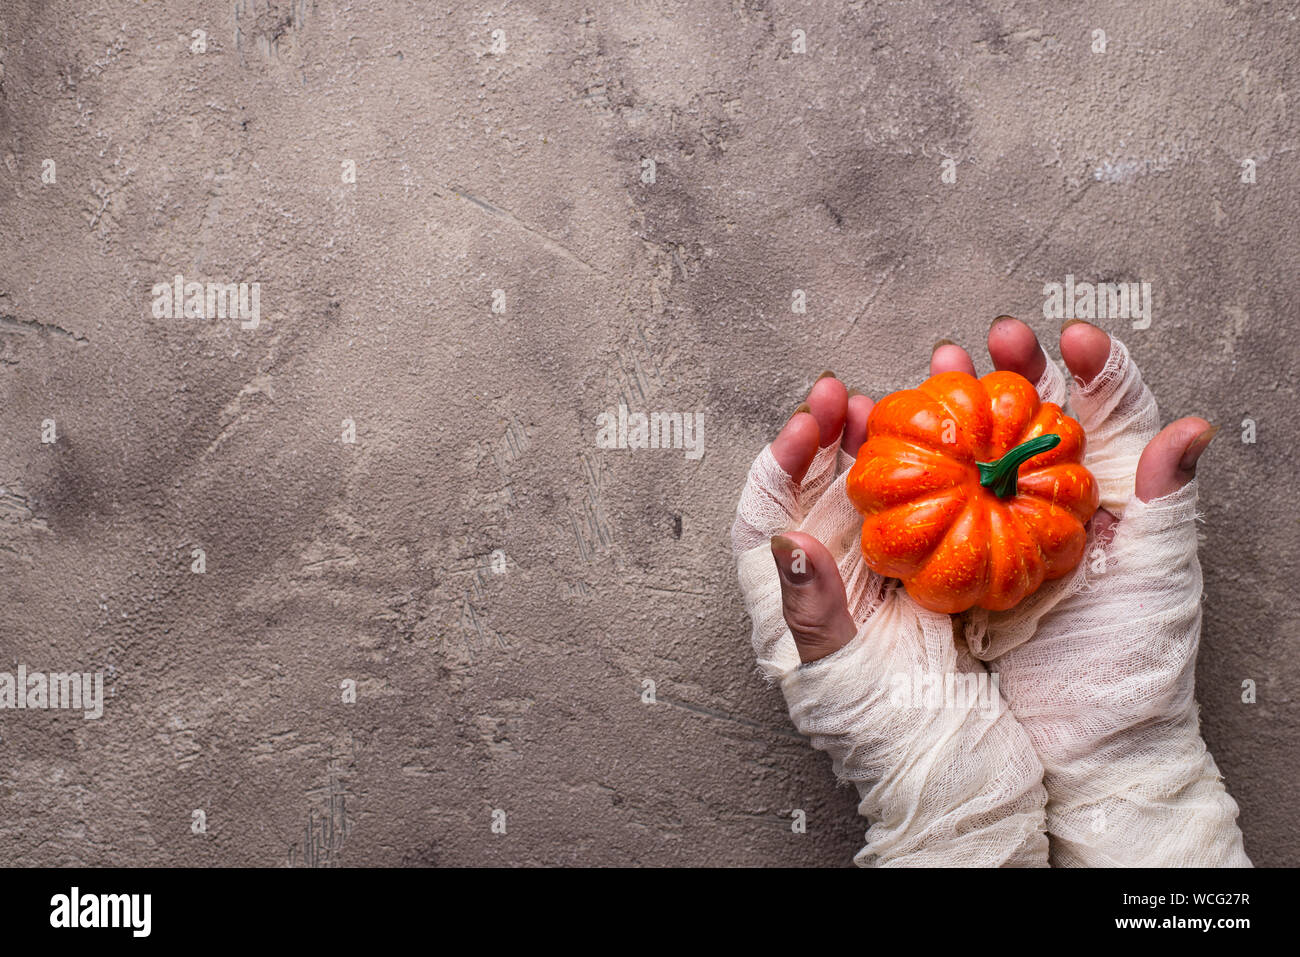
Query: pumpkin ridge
(993, 397)
(1030, 534)
(922, 562)
(1014, 553)
(920, 441)
(940, 401)
(1036, 422)
(972, 503)
(1028, 469)
(934, 493)
(1063, 512)
(1061, 501)
(968, 472)
(920, 446)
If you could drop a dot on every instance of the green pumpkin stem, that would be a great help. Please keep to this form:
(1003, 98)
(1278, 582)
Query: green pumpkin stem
(1000, 476)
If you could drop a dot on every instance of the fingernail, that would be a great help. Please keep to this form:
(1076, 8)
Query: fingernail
(941, 342)
(803, 407)
(791, 560)
(828, 374)
(994, 324)
(1069, 322)
(1188, 462)
(853, 392)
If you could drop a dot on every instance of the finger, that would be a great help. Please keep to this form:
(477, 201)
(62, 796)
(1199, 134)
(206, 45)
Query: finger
(855, 424)
(1153, 554)
(796, 444)
(793, 471)
(828, 402)
(1103, 525)
(1114, 406)
(1169, 460)
(815, 424)
(1085, 349)
(1014, 347)
(813, 601)
(947, 356)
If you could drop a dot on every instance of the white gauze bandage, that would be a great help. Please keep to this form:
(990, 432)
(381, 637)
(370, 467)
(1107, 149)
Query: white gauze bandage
(1105, 688)
(942, 769)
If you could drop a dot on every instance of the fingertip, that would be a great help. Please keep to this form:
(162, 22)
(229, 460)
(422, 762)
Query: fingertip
(796, 443)
(792, 560)
(1014, 347)
(813, 600)
(855, 425)
(1103, 525)
(1198, 445)
(828, 401)
(1169, 460)
(950, 357)
(1085, 349)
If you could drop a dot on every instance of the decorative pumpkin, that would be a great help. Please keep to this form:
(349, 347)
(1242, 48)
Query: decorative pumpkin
(972, 491)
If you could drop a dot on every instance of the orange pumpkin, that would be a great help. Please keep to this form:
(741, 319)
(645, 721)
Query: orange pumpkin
(972, 491)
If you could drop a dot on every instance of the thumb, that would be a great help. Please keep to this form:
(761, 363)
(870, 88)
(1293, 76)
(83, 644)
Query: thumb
(813, 601)
(1169, 460)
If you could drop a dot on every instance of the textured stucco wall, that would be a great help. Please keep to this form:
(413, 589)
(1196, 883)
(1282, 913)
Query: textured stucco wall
(520, 170)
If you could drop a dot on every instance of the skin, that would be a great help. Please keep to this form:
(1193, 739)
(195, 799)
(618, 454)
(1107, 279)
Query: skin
(814, 602)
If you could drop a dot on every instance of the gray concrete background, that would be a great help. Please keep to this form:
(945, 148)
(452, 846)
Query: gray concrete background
(520, 171)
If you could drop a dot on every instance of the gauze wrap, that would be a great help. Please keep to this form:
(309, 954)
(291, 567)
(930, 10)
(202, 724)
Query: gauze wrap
(947, 776)
(1105, 688)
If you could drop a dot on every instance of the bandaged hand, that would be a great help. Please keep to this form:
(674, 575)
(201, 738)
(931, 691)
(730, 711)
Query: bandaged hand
(943, 770)
(1099, 666)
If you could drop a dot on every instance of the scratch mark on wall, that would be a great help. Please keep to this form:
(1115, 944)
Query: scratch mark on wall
(1015, 264)
(324, 835)
(14, 324)
(553, 245)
